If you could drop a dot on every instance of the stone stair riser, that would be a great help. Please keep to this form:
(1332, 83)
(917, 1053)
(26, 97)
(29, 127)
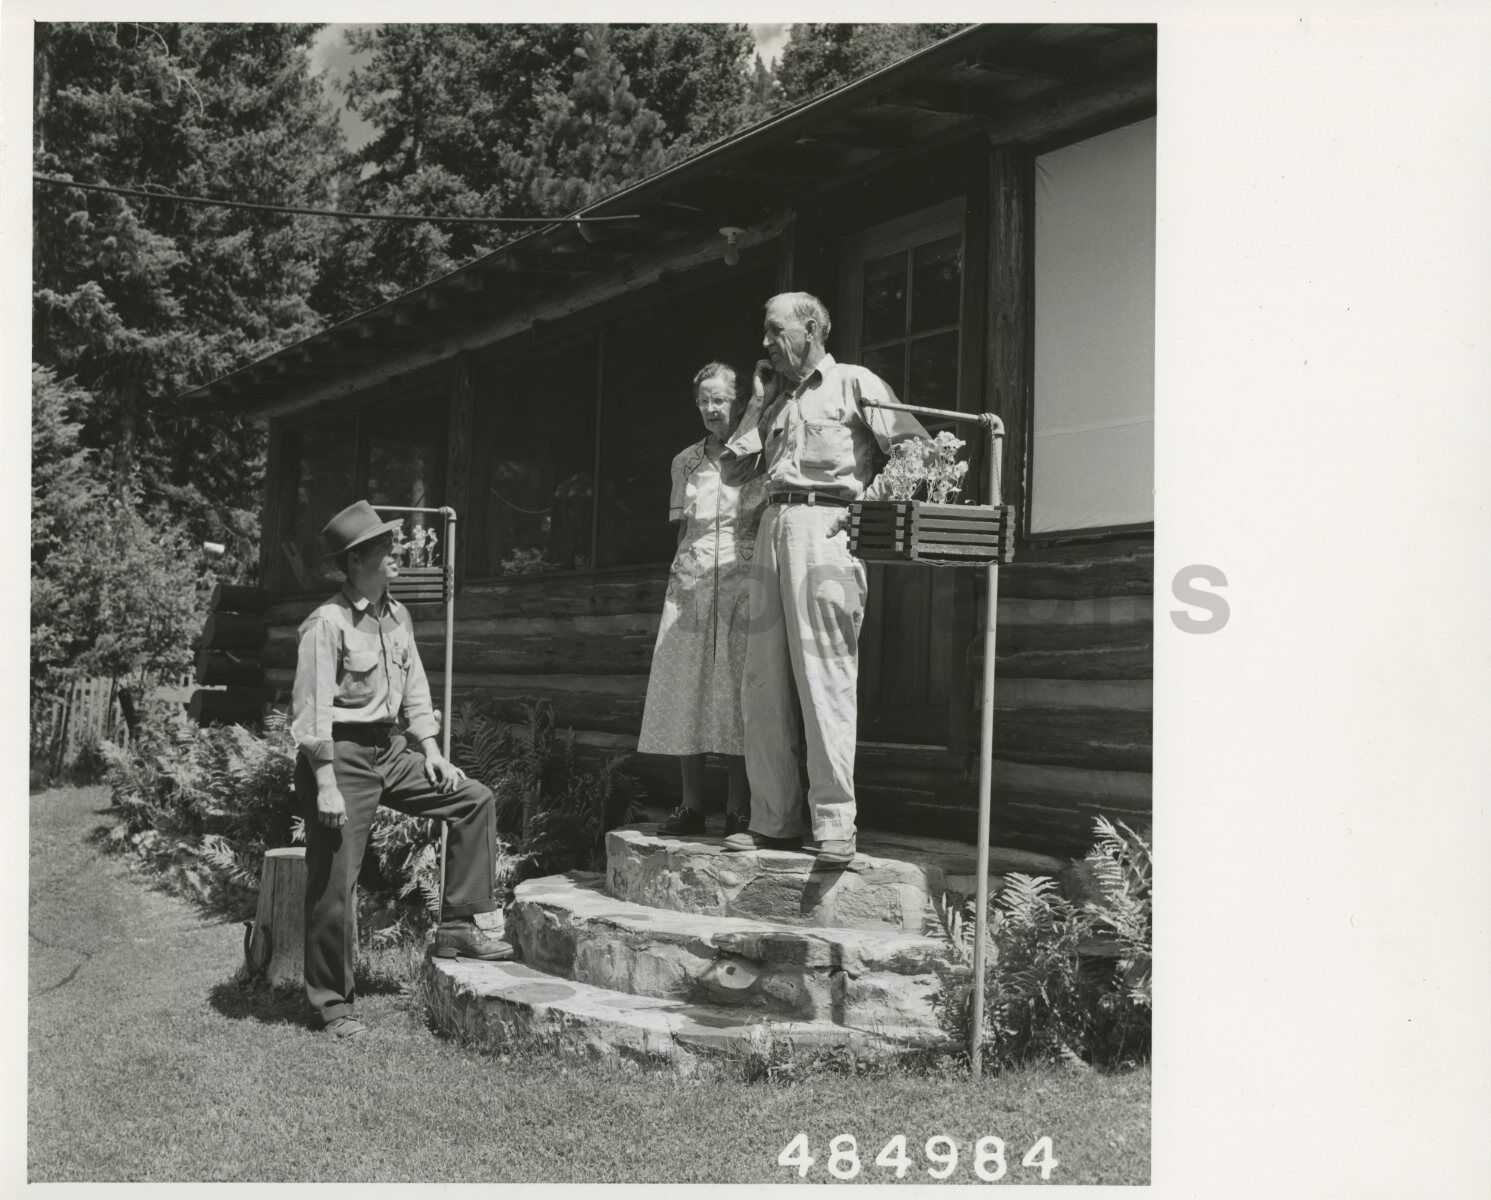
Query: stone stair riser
(692, 969)
(509, 1003)
(779, 886)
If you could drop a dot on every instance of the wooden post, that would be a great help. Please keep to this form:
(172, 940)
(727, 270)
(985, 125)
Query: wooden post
(274, 946)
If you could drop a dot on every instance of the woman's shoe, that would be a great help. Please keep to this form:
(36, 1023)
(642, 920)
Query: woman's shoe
(682, 820)
(737, 822)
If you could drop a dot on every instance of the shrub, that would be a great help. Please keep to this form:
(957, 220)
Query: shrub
(200, 806)
(1065, 980)
(558, 813)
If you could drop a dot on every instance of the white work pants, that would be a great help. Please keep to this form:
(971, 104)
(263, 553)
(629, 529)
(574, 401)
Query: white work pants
(802, 673)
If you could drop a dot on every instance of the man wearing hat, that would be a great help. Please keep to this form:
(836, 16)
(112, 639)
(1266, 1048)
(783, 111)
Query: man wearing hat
(357, 674)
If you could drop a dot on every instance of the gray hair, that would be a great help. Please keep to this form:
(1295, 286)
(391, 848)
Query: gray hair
(715, 370)
(806, 307)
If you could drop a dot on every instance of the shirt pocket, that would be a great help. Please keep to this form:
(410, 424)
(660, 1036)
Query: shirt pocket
(827, 446)
(362, 657)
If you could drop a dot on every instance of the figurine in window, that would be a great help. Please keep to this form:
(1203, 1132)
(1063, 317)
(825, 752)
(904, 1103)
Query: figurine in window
(693, 692)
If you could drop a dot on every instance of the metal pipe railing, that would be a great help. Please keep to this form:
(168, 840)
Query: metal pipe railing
(995, 429)
(448, 592)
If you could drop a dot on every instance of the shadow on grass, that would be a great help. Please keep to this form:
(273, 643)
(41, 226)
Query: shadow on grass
(242, 1001)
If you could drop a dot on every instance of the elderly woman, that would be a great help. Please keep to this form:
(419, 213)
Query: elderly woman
(693, 693)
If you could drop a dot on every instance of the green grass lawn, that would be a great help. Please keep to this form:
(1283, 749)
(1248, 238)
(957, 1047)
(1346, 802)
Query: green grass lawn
(148, 1063)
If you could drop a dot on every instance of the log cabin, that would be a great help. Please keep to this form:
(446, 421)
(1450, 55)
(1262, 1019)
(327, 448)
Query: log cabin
(979, 218)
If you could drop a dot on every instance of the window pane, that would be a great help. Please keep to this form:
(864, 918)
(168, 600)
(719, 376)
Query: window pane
(937, 283)
(532, 462)
(884, 313)
(889, 362)
(934, 371)
(647, 408)
(328, 477)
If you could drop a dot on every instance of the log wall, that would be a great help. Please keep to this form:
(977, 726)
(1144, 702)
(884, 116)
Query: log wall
(1073, 719)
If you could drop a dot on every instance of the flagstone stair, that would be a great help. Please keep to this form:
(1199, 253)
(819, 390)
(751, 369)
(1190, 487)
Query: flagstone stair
(683, 952)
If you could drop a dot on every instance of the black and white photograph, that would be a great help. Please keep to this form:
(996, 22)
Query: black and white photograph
(641, 602)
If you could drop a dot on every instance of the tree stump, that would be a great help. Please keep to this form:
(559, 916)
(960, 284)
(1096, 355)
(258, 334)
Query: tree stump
(274, 945)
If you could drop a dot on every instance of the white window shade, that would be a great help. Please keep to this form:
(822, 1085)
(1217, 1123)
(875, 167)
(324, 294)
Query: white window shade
(1093, 419)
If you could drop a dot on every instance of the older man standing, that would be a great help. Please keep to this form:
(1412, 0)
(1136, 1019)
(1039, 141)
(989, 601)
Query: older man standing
(808, 430)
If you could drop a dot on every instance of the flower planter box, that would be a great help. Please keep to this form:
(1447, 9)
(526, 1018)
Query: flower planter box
(419, 585)
(916, 531)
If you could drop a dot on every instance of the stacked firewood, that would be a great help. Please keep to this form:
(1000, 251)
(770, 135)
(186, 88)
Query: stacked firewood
(230, 671)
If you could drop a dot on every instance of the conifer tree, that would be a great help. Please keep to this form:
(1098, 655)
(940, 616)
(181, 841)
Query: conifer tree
(139, 299)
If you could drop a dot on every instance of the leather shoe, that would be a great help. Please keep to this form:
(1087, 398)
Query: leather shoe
(737, 822)
(836, 851)
(682, 820)
(345, 1028)
(464, 940)
(751, 840)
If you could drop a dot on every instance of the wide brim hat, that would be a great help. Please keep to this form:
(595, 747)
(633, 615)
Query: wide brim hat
(354, 525)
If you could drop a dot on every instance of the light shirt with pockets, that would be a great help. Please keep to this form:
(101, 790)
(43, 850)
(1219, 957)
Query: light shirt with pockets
(820, 436)
(358, 666)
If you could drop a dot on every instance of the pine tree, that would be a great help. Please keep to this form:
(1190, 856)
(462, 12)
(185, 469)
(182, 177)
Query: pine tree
(590, 139)
(821, 57)
(141, 299)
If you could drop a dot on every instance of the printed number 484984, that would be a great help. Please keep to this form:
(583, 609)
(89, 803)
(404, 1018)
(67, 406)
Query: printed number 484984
(941, 1153)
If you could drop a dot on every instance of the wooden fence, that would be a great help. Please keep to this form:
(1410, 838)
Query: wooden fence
(87, 710)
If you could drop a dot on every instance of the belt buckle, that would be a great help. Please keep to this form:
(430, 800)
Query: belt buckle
(812, 499)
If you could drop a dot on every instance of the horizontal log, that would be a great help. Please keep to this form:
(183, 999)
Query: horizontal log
(223, 667)
(238, 598)
(1104, 739)
(1072, 610)
(610, 703)
(1120, 568)
(241, 706)
(638, 590)
(581, 645)
(233, 631)
(1049, 809)
(1074, 652)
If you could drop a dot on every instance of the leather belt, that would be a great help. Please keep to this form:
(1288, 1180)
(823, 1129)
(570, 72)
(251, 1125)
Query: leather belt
(812, 498)
(364, 733)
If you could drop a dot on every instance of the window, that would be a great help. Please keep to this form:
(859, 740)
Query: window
(903, 288)
(389, 452)
(902, 297)
(1092, 461)
(533, 460)
(647, 407)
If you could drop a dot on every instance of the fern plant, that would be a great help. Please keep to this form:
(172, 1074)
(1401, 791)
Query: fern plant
(1064, 981)
(200, 806)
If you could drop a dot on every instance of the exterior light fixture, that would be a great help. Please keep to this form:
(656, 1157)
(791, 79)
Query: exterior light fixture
(731, 234)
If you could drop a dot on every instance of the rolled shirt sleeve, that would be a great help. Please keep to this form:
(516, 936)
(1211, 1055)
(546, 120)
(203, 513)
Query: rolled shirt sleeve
(418, 709)
(741, 460)
(678, 493)
(314, 690)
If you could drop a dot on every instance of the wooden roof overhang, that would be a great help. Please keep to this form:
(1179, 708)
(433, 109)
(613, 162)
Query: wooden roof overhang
(1012, 84)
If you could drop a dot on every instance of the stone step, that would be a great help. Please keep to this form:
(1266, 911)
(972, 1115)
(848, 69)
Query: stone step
(511, 999)
(568, 926)
(697, 874)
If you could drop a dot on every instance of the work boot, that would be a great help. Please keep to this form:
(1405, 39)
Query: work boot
(751, 840)
(344, 1028)
(682, 820)
(836, 852)
(460, 938)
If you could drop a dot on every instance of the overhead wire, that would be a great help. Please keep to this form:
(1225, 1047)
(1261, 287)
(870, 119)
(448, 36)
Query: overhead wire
(412, 218)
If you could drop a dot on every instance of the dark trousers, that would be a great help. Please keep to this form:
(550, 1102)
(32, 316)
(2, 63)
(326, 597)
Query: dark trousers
(388, 773)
